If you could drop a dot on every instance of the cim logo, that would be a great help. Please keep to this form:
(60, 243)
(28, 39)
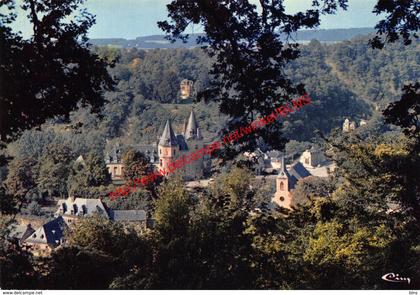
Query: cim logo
(395, 278)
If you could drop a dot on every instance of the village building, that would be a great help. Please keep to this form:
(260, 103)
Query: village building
(186, 88)
(50, 235)
(114, 163)
(46, 238)
(286, 182)
(312, 158)
(172, 146)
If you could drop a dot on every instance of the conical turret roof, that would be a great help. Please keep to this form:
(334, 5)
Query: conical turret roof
(168, 137)
(191, 131)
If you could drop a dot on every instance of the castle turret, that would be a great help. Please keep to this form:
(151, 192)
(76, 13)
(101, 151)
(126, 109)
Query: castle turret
(192, 131)
(168, 146)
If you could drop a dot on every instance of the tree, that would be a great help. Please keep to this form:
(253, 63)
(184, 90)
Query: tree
(312, 187)
(54, 170)
(136, 166)
(21, 179)
(401, 22)
(57, 61)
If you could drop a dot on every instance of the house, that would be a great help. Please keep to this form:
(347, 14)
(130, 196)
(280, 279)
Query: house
(312, 158)
(72, 208)
(51, 235)
(114, 163)
(286, 182)
(46, 238)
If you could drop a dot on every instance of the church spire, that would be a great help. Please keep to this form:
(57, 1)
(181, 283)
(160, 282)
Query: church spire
(283, 170)
(168, 136)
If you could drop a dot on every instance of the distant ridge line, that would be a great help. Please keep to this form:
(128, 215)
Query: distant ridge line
(159, 41)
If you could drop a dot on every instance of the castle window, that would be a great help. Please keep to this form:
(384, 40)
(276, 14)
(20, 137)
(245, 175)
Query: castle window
(160, 151)
(174, 152)
(115, 171)
(122, 171)
(281, 199)
(160, 162)
(282, 186)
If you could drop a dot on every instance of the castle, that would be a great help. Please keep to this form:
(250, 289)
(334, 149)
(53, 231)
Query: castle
(168, 149)
(186, 88)
(172, 146)
(349, 126)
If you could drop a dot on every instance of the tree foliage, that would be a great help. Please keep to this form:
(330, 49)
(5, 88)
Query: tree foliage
(56, 60)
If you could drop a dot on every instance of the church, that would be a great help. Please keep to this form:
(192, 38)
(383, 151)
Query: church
(286, 182)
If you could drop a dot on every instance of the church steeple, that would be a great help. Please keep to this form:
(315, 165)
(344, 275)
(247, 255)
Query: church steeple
(283, 170)
(168, 137)
(192, 131)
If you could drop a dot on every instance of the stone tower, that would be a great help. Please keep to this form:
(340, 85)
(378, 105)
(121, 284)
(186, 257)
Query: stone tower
(168, 147)
(194, 140)
(283, 197)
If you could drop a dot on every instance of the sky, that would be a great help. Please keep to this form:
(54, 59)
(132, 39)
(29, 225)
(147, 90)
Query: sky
(133, 18)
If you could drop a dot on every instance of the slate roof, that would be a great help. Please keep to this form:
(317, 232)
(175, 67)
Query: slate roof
(183, 146)
(81, 207)
(150, 151)
(192, 131)
(113, 157)
(168, 136)
(21, 232)
(128, 215)
(297, 171)
(50, 233)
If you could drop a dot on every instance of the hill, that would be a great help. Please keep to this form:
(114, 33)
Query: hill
(159, 41)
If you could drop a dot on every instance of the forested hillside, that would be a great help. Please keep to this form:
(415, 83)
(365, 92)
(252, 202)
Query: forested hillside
(346, 79)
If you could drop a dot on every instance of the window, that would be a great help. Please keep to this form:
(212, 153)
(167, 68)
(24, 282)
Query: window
(306, 161)
(160, 151)
(160, 162)
(115, 171)
(281, 199)
(122, 171)
(42, 236)
(282, 186)
(174, 152)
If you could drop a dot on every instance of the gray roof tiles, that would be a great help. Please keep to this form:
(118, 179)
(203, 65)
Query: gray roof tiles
(50, 233)
(128, 215)
(168, 138)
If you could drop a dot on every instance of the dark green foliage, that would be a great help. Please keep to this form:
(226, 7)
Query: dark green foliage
(401, 22)
(87, 174)
(54, 170)
(47, 75)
